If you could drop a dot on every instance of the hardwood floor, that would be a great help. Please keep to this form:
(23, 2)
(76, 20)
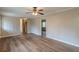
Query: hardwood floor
(33, 43)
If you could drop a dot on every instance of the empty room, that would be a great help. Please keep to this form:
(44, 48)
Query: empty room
(39, 29)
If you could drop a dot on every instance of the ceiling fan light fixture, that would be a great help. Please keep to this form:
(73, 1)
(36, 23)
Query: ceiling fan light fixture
(35, 13)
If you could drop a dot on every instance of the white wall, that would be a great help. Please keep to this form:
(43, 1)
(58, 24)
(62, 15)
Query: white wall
(35, 26)
(28, 25)
(62, 26)
(0, 21)
(10, 26)
(0, 25)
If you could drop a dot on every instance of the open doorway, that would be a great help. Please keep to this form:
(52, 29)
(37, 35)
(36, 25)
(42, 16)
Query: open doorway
(43, 27)
(23, 26)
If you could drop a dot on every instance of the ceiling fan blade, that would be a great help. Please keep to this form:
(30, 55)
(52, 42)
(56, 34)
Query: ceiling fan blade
(40, 10)
(41, 13)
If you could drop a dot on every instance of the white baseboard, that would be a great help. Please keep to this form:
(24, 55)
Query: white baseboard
(36, 33)
(54, 38)
(9, 35)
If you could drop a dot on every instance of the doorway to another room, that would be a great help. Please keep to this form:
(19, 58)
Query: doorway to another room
(43, 28)
(23, 26)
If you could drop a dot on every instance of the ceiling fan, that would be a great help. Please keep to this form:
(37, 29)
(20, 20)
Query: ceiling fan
(36, 11)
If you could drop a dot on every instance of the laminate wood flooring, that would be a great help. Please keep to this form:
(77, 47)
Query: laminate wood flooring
(34, 43)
